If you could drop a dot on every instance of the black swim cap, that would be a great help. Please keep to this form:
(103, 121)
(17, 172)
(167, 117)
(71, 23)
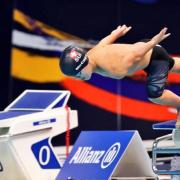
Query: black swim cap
(73, 60)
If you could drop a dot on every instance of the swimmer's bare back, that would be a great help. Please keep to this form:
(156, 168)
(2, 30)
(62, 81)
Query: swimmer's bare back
(111, 60)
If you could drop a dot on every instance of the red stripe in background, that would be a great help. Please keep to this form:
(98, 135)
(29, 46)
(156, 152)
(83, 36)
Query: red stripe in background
(109, 101)
(141, 76)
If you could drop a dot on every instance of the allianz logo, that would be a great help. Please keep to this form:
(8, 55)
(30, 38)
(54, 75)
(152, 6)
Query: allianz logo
(87, 155)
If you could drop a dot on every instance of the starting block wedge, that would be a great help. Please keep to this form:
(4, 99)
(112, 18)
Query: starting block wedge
(108, 155)
(168, 125)
(27, 127)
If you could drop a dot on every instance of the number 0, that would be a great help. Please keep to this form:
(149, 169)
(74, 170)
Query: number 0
(46, 150)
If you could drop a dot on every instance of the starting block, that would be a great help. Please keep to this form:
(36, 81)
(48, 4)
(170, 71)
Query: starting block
(168, 125)
(115, 155)
(27, 127)
(172, 150)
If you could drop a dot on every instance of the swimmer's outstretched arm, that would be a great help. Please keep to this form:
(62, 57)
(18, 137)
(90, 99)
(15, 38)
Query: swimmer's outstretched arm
(115, 34)
(141, 48)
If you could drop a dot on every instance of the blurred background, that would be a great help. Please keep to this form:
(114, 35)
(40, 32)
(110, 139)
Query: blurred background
(34, 33)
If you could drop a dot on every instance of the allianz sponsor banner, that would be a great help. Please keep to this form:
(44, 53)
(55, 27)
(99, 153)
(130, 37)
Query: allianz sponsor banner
(96, 154)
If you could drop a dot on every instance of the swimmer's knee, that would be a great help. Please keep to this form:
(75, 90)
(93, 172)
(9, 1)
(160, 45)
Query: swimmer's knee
(155, 100)
(155, 93)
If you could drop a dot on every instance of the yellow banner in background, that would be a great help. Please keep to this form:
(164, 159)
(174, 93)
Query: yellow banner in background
(32, 24)
(35, 68)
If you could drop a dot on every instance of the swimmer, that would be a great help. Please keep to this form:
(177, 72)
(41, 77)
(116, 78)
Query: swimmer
(120, 60)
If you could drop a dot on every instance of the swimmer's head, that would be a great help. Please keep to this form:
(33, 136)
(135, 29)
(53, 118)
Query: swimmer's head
(73, 60)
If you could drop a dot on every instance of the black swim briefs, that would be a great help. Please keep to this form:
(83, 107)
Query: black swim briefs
(157, 71)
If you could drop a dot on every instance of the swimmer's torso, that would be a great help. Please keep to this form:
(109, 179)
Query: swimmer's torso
(110, 61)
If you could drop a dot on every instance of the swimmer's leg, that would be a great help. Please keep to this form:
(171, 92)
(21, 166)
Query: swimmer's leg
(176, 67)
(156, 83)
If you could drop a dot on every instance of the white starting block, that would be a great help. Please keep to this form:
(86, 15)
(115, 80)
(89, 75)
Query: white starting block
(105, 155)
(27, 126)
(172, 150)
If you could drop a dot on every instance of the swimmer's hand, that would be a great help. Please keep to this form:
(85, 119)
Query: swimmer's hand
(121, 30)
(115, 34)
(160, 36)
(139, 50)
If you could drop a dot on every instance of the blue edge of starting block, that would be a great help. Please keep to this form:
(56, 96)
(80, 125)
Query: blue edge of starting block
(12, 114)
(168, 125)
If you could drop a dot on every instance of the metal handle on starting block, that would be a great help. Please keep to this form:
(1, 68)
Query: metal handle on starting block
(166, 150)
